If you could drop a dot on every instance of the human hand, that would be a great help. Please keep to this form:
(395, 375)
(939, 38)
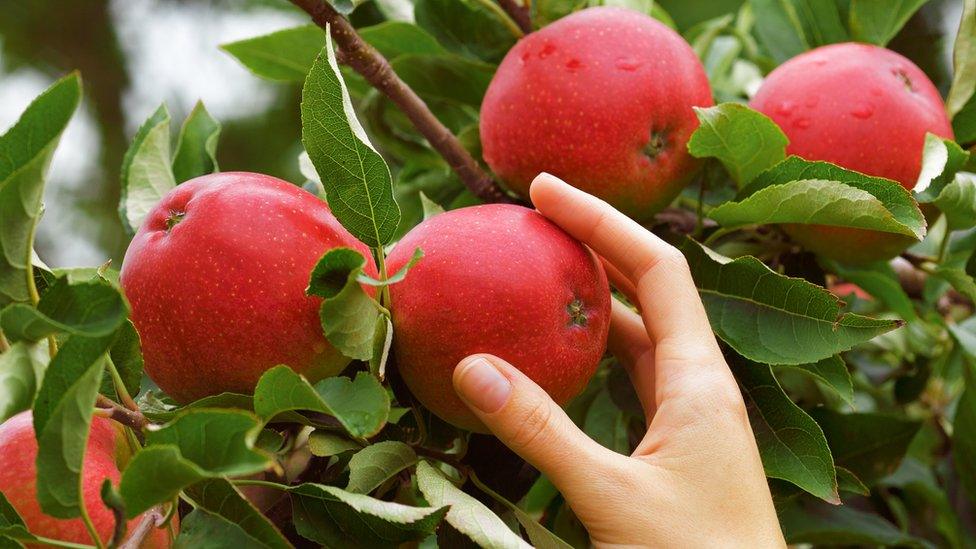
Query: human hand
(695, 479)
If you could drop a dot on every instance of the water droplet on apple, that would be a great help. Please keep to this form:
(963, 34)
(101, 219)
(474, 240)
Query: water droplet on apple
(812, 101)
(574, 65)
(802, 123)
(785, 108)
(546, 51)
(862, 111)
(628, 64)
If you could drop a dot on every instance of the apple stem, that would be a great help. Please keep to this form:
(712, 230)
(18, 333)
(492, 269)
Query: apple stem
(371, 65)
(518, 13)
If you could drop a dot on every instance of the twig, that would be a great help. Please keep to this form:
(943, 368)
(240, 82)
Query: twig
(371, 65)
(518, 13)
(115, 411)
(151, 519)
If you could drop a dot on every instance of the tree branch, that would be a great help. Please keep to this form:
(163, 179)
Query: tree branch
(519, 13)
(150, 520)
(115, 411)
(371, 65)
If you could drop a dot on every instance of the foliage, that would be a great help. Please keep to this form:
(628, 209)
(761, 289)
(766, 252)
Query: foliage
(864, 410)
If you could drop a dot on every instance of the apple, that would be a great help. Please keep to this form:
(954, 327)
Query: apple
(862, 107)
(603, 99)
(216, 277)
(106, 450)
(498, 279)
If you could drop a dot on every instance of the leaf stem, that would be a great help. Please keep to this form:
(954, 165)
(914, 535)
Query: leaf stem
(519, 14)
(944, 246)
(133, 419)
(55, 542)
(120, 388)
(719, 233)
(86, 518)
(507, 18)
(371, 65)
(255, 482)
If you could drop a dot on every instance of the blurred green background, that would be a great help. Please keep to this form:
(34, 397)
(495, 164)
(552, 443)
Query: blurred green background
(135, 54)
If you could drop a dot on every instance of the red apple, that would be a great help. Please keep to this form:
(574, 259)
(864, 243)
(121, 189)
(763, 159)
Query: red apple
(503, 280)
(18, 481)
(603, 99)
(864, 108)
(216, 277)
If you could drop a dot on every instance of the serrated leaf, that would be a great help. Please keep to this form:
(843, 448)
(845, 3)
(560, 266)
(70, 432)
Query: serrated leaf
(220, 498)
(958, 202)
(62, 417)
(787, 28)
(155, 475)
(326, 444)
(219, 441)
(941, 160)
(791, 444)
(473, 28)
(848, 482)
(395, 38)
(445, 77)
(19, 378)
(147, 173)
(349, 315)
(821, 524)
(745, 141)
(376, 463)
(90, 309)
(25, 154)
(196, 149)
(833, 373)
(285, 55)
(357, 181)
(771, 318)
(869, 445)
(202, 529)
(878, 21)
(398, 276)
(958, 279)
(540, 537)
(340, 519)
(468, 515)
(879, 280)
(963, 61)
(361, 406)
(333, 271)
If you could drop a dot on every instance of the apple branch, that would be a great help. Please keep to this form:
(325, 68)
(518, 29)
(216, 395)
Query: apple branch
(519, 13)
(115, 411)
(153, 518)
(371, 65)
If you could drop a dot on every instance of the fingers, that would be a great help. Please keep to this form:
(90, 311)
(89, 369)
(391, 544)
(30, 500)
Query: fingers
(628, 342)
(620, 282)
(523, 416)
(670, 304)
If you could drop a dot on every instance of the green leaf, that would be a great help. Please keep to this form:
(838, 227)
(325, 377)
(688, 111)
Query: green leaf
(607, 424)
(20, 375)
(869, 445)
(202, 529)
(339, 519)
(833, 373)
(787, 28)
(958, 279)
(745, 141)
(326, 444)
(445, 77)
(357, 181)
(285, 55)
(219, 497)
(349, 315)
(847, 482)
(126, 355)
(90, 309)
(62, 417)
(361, 406)
(382, 343)
(771, 318)
(878, 21)
(429, 207)
(879, 280)
(476, 29)
(219, 441)
(395, 38)
(376, 463)
(791, 444)
(196, 149)
(547, 11)
(398, 276)
(941, 160)
(147, 173)
(468, 515)
(25, 154)
(540, 537)
(11, 523)
(958, 202)
(964, 437)
(156, 475)
(821, 524)
(963, 61)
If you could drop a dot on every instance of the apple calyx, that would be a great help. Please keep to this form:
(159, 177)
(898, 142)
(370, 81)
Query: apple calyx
(577, 313)
(656, 144)
(173, 219)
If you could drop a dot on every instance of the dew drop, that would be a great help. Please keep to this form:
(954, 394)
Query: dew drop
(574, 65)
(812, 101)
(628, 64)
(785, 108)
(546, 51)
(802, 123)
(862, 111)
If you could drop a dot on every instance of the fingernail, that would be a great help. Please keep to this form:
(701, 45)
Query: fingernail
(482, 385)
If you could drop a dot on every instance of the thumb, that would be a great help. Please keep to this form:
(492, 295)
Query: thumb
(523, 416)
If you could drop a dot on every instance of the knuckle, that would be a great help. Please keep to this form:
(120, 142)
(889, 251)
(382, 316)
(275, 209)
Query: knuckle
(532, 425)
(668, 258)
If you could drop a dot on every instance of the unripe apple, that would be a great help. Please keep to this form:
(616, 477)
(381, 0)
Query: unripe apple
(603, 99)
(18, 481)
(216, 278)
(864, 108)
(498, 279)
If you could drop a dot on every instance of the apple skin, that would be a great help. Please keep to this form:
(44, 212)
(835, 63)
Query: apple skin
(18, 481)
(498, 279)
(219, 298)
(864, 108)
(581, 98)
